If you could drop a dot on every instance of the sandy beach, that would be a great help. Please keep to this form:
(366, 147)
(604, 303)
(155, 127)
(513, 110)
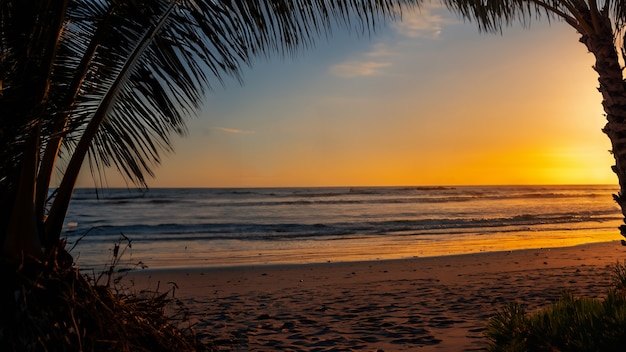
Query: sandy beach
(425, 304)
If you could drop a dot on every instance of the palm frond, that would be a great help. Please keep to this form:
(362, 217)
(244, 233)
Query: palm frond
(199, 44)
(493, 15)
(617, 10)
(154, 61)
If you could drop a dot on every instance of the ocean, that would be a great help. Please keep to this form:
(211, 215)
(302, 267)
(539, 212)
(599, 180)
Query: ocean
(215, 227)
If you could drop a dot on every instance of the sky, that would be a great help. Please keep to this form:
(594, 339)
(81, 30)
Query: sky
(426, 101)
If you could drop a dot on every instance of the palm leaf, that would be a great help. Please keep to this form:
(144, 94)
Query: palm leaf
(198, 45)
(155, 60)
(493, 15)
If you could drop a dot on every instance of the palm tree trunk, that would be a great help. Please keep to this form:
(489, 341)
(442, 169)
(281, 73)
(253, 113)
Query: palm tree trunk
(613, 89)
(42, 26)
(22, 237)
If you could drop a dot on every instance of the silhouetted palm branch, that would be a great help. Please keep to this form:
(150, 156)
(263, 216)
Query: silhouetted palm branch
(113, 81)
(156, 69)
(492, 15)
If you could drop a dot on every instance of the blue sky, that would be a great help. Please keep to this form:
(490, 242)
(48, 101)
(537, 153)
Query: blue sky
(427, 101)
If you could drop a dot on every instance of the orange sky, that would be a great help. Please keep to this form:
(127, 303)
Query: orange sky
(427, 102)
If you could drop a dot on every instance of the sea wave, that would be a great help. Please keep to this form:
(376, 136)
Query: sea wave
(295, 231)
(254, 198)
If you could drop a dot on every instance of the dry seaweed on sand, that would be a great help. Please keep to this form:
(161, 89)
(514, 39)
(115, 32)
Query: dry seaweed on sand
(60, 309)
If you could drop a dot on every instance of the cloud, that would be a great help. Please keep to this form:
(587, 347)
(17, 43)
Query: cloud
(370, 63)
(380, 50)
(233, 130)
(351, 69)
(425, 22)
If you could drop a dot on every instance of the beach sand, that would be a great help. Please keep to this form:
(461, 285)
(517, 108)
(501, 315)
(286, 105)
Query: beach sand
(423, 304)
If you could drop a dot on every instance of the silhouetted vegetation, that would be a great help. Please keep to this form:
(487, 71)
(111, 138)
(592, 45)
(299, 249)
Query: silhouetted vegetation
(54, 307)
(110, 82)
(571, 324)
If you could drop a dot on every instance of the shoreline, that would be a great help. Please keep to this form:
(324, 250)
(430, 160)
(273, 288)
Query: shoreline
(278, 265)
(183, 256)
(427, 303)
(184, 228)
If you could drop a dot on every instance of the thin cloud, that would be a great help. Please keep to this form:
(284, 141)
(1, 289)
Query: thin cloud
(233, 130)
(380, 50)
(351, 69)
(371, 64)
(425, 22)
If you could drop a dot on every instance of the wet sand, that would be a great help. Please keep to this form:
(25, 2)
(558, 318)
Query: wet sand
(425, 304)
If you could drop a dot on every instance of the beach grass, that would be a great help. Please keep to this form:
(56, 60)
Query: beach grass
(571, 324)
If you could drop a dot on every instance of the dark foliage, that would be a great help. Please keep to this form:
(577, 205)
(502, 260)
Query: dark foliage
(53, 307)
(573, 324)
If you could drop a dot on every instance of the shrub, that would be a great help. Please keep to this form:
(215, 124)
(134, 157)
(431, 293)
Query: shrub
(570, 324)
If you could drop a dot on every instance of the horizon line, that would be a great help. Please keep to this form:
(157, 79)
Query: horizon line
(364, 186)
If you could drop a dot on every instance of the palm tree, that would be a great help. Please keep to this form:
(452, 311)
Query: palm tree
(110, 81)
(601, 25)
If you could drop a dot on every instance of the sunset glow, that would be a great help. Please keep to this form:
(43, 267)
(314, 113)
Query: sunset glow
(429, 101)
